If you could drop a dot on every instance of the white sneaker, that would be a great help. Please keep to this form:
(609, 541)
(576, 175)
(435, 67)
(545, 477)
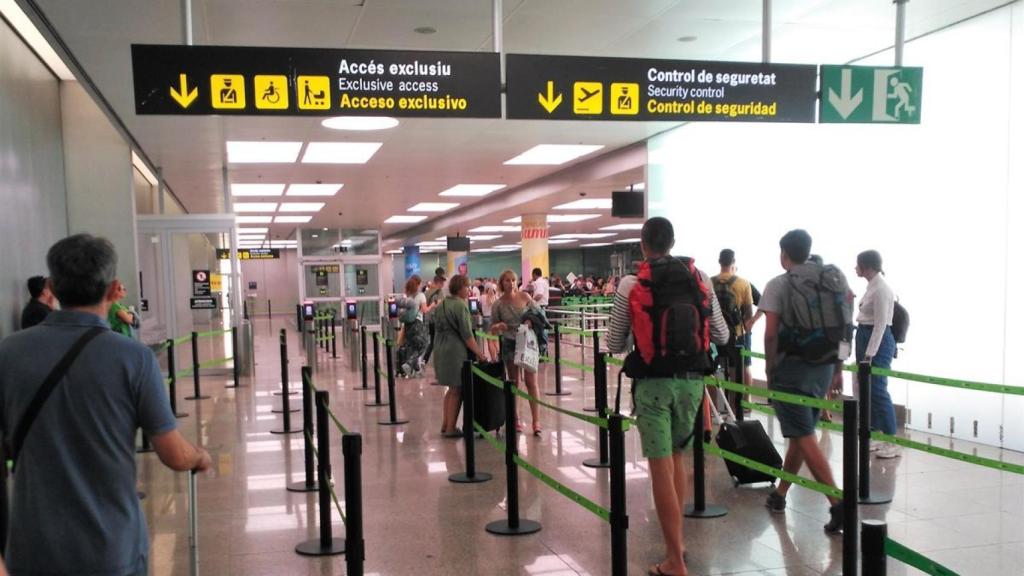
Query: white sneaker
(889, 452)
(876, 446)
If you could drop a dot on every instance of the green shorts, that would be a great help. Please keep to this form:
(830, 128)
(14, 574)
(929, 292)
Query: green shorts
(665, 412)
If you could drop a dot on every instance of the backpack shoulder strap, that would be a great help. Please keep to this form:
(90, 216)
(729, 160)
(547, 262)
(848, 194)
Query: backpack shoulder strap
(731, 281)
(49, 385)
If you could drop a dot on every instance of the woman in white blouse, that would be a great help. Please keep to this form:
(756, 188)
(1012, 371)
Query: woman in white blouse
(875, 343)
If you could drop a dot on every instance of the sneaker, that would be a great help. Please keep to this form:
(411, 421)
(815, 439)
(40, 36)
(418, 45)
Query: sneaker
(889, 452)
(776, 502)
(405, 368)
(835, 523)
(875, 446)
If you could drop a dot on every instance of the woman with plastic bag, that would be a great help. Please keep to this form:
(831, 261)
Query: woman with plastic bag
(507, 317)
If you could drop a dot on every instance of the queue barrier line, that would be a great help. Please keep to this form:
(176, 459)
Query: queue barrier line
(595, 420)
(768, 410)
(613, 361)
(487, 336)
(780, 474)
(576, 365)
(567, 331)
(916, 559)
(327, 338)
(207, 364)
(810, 401)
(330, 413)
(330, 487)
(586, 503)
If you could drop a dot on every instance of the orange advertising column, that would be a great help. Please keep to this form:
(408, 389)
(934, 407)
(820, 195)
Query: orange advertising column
(535, 245)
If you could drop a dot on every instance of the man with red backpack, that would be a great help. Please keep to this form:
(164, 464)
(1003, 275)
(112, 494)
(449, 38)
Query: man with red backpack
(672, 313)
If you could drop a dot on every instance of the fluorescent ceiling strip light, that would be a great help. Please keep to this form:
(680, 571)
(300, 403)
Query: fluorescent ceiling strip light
(627, 241)
(313, 189)
(340, 152)
(254, 219)
(595, 245)
(483, 237)
(253, 230)
(472, 189)
(360, 123)
(590, 236)
(257, 189)
(433, 207)
(260, 152)
(553, 154)
(254, 206)
(558, 218)
(393, 252)
(637, 226)
(486, 229)
(587, 204)
(561, 241)
(292, 219)
(23, 25)
(405, 219)
(300, 206)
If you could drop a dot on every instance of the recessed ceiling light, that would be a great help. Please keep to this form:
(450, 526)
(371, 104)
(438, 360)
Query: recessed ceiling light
(300, 206)
(553, 154)
(432, 244)
(424, 30)
(240, 152)
(486, 229)
(623, 227)
(340, 152)
(587, 204)
(292, 219)
(393, 252)
(257, 189)
(589, 236)
(361, 123)
(627, 241)
(558, 218)
(433, 206)
(313, 189)
(472, 189)
(253, 230)
(483, 237)
(254, 219)
(595, 244)
(638, 186)
(509, 246)
(316, 235)
(561, 241)
(686, 39)
(254, 206)
(405, 219)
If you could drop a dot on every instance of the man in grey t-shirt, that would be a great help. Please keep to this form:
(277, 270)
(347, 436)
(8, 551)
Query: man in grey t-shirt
(74, 508)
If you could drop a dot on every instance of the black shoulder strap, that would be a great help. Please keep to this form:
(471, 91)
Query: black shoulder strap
(49, 385)
(732, 280)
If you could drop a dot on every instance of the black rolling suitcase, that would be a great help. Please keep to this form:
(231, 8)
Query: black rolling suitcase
(748, 439)
(488, 400)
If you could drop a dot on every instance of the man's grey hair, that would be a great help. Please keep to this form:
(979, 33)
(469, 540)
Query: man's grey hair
(82, 267)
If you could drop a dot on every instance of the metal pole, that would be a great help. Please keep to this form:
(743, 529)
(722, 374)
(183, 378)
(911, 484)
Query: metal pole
(351, 454)
(700, 508)
(286, 409)
(901, 30)
(309, 484)
(173, 380)
(766, 31)
(193, 525)
(326, 544)
(376, 374)
(872, 547)
(468, 435)
(236, 366)
(160, 192)
(864, 438)
(849, 501)
(362, 360)
(392, 400)
(196, 395)
(512, 525)
(601, 405)
(619, 519)
(334, 337)
(186, 21)
(558, 365)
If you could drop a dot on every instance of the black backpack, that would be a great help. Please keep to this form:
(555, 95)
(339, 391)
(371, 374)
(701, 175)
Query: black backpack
(900, 322)
(729, 304)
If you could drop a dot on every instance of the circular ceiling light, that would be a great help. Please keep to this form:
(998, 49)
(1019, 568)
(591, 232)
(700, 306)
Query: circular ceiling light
(363, 123)
(687, 39)
(425, 30)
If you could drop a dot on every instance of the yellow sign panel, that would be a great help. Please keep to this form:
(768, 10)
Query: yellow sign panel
(587, 97)
(271, 92)
(625, 98)
(227, 91)
(216, 282)
(313, 92)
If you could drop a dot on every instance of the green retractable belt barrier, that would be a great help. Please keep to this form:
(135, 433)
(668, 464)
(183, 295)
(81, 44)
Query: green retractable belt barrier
(915, 559)
(810, 401)
(781, 474)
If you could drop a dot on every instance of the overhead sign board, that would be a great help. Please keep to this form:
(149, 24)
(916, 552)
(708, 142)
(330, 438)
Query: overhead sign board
(871, 95)
(203, 303)
(260, 81)
(250, 253)
(200, 282)
(589, 88)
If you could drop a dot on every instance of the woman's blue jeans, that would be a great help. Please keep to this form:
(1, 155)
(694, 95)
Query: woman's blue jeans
(883, 415)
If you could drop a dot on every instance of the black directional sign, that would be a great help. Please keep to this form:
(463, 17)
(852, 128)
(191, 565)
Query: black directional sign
(202, 303)
(200, 282)
(587, 88)
(204, 80)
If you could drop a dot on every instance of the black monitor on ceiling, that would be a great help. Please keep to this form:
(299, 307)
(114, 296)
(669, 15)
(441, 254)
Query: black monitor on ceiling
(458, 244)
(627, 204)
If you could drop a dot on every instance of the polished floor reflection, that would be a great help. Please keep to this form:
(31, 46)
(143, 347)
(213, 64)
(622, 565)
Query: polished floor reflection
(970, 519)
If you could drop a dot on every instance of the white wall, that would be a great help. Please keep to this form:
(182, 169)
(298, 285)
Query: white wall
(276, 280)
(937, 200)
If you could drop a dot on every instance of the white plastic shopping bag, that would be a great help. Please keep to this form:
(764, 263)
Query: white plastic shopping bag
(527, 352)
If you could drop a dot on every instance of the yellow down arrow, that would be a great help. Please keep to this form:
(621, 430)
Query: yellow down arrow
(551, 101)
(183, 97)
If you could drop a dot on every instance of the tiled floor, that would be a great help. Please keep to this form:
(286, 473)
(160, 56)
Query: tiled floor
(417, 522)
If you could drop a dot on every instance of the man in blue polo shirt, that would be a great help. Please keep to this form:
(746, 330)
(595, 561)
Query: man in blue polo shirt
(74, 508)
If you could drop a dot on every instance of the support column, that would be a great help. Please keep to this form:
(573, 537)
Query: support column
(535, 245)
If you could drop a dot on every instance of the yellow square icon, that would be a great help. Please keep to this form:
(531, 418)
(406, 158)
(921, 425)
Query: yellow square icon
(227, 91)
(587, 97)
(313, 92)
(271, 92)
(625, 98)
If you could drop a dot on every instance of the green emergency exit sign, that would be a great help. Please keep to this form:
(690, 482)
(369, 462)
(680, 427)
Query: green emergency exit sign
(870, 95)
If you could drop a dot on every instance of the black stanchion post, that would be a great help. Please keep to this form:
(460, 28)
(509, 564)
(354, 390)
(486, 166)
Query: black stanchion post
(269, 315)
(700, 508)
(326, 544)
(558, 364)
(245, 309)
(334, 336)
(172, 377)
(849, 487)
(737, 376)
(298, 317)
(601, 405)
(470, 476)
(351, 454)
(872, 547)
(286, 409)
(513, 525)
(864, 437)
(309, 484)
(583, 360)
(146, 445)
(619, 519)
(362, 359)
(377, 400)
(392, 400)
(236, 366)
(196, 395)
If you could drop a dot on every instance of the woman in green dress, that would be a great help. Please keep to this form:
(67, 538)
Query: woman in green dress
(453, 342)
(120, 317)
